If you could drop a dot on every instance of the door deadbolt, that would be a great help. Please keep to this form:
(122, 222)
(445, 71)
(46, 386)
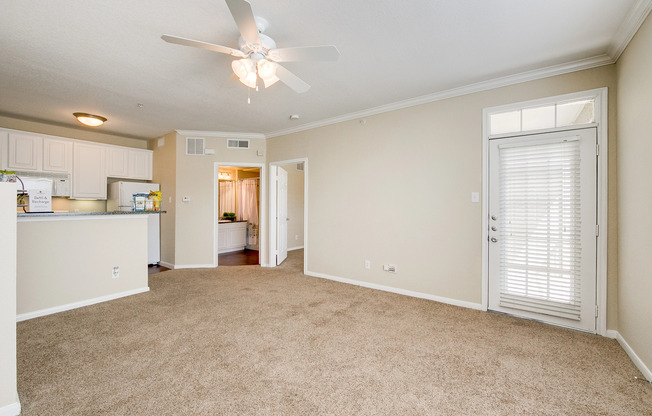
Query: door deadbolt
(493, 217)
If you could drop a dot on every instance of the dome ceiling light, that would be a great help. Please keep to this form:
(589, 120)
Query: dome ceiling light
(90, 120)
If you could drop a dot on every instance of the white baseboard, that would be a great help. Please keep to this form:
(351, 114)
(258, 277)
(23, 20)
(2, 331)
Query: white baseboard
(194, 266)
(12, 409)
(455, 302)
(75, 305)
(166, 264)
(295, 248)
(630, 352)
(186, 266)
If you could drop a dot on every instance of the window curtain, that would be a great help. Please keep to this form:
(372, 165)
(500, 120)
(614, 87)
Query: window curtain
(248, 208)
(227, 197)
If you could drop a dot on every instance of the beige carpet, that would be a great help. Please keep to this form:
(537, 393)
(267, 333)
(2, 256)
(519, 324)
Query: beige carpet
(252, 341)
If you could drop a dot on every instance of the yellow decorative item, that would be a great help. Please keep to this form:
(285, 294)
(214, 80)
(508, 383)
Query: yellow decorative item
(155, 198)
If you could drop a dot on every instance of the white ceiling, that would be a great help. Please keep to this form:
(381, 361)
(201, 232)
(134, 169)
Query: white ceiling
(106, 57)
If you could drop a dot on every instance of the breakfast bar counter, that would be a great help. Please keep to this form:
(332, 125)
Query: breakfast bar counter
(69, 260)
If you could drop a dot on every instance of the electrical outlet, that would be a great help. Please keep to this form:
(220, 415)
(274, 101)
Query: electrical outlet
(390, 268)
(296, 237)
(116, 272)
(367, 264)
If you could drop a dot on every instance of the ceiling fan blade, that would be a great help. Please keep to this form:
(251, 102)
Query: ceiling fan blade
(291, 80)
(203, 45)
(306, 53)
(244, 19)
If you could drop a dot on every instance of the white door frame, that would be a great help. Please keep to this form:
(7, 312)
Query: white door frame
(271, 259)
(601, 103)
(262, 215)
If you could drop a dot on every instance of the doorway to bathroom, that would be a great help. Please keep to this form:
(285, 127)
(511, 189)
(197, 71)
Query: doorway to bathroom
(238, 213)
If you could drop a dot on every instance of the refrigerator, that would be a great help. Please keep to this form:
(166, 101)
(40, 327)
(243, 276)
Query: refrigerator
(120, 197)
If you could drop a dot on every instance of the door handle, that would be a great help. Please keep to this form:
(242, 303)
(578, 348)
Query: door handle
(494, 240)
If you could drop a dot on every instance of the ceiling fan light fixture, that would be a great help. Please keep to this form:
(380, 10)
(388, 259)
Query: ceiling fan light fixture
(90, 120)
(266, 69)
(249, 80)
(243, 67)
(270, 81)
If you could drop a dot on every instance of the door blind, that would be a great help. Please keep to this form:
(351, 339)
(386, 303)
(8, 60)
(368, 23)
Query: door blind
(540, 262)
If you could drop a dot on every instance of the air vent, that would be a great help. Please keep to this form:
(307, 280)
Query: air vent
(301, 166)
(237, 144)
(194, 145)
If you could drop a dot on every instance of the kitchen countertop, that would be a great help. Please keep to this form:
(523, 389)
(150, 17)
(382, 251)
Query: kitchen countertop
(78, 214)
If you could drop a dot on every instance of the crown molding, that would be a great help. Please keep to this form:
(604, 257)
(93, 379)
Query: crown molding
(628, 28)
(546, 72)
(222, 134)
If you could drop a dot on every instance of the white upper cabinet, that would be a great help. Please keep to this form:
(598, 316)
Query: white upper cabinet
(4, 137)
(89, 171)
(30, 152)
(140, 163)
(117, 162)
(25, 152)
(89, 164)
(57, 155)
(128, 163)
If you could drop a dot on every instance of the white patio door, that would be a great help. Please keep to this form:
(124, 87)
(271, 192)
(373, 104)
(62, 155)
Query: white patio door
(542, 227)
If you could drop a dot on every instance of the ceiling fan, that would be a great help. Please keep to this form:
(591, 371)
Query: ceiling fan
(257, 53)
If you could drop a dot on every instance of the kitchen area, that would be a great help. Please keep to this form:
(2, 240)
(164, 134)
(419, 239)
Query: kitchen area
(88, 220)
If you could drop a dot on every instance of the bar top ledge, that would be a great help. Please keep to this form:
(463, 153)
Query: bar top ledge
(78, 214)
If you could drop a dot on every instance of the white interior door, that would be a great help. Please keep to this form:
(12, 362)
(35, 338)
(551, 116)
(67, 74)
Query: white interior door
(542, 227)
(282, 215)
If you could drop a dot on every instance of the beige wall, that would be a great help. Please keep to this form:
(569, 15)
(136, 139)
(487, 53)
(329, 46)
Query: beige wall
(195, 178)
(8, 383)
(61, 262)
(635, 193)
(295, 206)
(164, 173)
(405, 197)
(77, 205)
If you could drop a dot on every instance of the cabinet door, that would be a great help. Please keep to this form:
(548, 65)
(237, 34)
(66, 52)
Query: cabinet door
(117, 162)
(140, 163)
(89, 171)
(222, 238)
(237, 236)
(25, 152)
(4, 138)
(57, 155)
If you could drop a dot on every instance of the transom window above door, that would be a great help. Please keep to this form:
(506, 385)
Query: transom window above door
(548, 116)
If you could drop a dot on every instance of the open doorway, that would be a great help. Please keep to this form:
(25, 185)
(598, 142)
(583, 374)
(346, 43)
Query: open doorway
(238, 214)
(288, 210)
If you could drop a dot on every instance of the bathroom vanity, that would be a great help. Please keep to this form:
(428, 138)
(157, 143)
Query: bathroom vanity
(231, 236)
